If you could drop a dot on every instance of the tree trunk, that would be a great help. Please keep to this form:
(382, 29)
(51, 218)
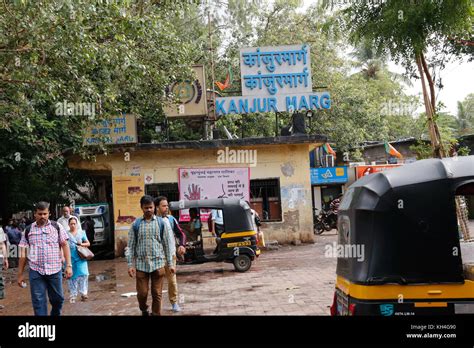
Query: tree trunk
(433, 129)
(438, 149)
(442, 153)
(430, 82)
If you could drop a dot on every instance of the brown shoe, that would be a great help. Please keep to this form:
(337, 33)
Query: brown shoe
(84, 298)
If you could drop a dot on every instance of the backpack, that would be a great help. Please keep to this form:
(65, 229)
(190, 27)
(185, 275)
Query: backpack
(55, 225)
(161, 225)
(177, 229)
(138, 221)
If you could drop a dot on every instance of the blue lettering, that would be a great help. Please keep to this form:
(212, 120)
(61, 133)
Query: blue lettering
(303, 103)
(254, 106)
(325, 101)
(272, 104)
(313, 102)
(291, 103)
(233, 107)
(262, 108)
(220, 107)
(243, 106)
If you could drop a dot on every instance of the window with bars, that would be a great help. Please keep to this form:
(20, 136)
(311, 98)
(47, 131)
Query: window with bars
(169, 190)
(265, 198)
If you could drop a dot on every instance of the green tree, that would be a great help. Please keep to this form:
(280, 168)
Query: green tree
(118, 56)
(465, 115)
(407, 30)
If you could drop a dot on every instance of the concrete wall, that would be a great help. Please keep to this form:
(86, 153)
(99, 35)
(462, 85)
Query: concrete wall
(289, 163)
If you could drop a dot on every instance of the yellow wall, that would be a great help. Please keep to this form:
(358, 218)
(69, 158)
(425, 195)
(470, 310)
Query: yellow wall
(289, 163)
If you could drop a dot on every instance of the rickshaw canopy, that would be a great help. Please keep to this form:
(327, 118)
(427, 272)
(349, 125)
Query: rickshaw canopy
(405, 220)
(236, 212)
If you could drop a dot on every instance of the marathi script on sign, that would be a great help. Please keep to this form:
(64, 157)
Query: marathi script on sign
(275, 70)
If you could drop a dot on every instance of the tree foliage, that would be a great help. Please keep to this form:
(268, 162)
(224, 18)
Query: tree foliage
(119, 56)
(408, 31)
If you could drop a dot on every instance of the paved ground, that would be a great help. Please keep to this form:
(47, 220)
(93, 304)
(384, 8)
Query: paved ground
(295, 280)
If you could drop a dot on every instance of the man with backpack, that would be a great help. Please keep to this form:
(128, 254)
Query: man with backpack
(169, 220)
(45, 240)
(150, 249)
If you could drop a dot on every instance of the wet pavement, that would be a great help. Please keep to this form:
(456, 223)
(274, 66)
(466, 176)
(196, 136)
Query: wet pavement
(294, 280)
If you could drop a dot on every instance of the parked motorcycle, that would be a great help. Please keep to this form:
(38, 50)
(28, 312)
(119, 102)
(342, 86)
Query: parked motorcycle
(324, 221)
(318, 224)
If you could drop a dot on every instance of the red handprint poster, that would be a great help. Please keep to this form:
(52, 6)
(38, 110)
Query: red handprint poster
(209, 183)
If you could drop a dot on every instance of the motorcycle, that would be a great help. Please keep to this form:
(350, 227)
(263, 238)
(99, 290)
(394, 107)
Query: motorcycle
(324, 221)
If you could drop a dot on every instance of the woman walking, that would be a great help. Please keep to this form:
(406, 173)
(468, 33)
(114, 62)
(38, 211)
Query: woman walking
(78, 283)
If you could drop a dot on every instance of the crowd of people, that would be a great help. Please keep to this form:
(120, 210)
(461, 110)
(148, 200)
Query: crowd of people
(52, 251)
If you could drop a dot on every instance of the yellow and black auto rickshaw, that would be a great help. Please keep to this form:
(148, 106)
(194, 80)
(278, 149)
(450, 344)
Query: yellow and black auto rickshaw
(400, 241)
(237, 243)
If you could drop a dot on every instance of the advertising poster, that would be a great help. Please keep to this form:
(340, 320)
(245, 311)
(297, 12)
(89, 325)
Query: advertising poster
(209, 183)
(367, 170)
(127, 191)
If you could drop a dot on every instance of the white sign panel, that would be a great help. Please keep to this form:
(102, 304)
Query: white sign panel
(272, 70)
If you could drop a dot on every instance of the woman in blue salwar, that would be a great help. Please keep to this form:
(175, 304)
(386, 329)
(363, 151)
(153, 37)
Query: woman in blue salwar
(78, 283)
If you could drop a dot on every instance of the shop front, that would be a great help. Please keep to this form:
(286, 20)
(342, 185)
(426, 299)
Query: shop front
(327, 184)
(272, 173)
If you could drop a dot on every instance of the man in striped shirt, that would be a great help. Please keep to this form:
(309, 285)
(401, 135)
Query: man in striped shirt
(45, 240)
(149, 251)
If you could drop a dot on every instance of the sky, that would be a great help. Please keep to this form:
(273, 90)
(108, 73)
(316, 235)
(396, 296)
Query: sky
(457, 78)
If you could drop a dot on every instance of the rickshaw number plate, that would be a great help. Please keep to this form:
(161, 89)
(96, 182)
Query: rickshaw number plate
(238, 244)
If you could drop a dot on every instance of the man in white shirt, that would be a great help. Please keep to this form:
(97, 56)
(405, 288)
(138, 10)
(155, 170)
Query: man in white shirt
(3, 262)
(217, 222)
(64, 219)
(217, 226)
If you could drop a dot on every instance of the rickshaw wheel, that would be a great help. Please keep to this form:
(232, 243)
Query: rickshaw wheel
(242, 263)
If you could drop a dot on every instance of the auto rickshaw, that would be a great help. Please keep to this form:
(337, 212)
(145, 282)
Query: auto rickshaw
(238, 242)
(405, 221)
